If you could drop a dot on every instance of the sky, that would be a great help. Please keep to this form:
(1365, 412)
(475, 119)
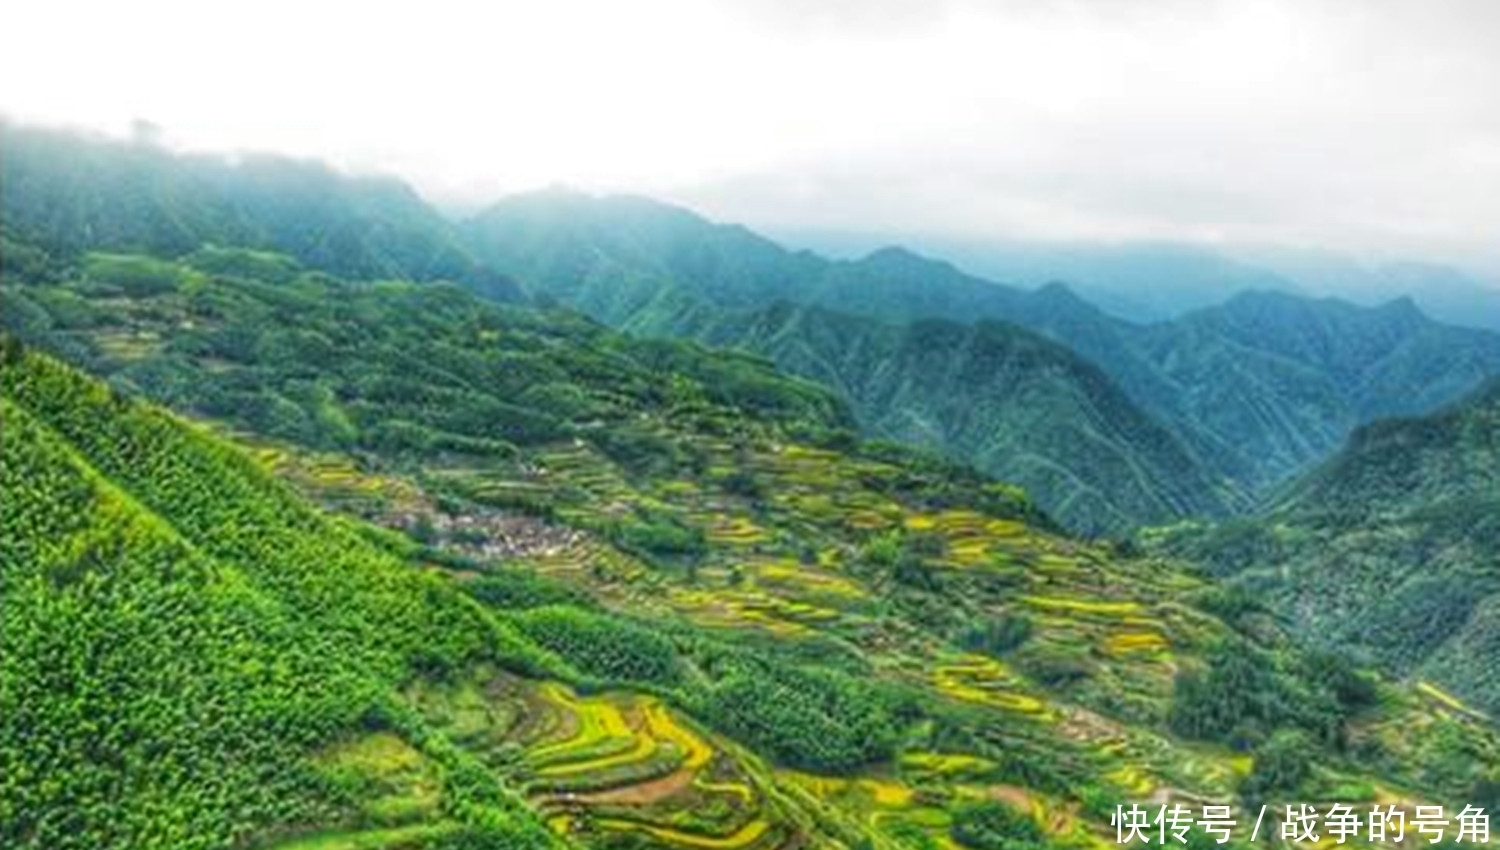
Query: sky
(1369, 126)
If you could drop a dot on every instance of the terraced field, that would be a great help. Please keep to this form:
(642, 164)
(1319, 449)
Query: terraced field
(793, 551)
(612, 763)
(587, 590)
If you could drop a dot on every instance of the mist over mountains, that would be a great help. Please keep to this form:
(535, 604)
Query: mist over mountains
(587, 522)
(1114, 424)
(749, 425)
(1252, 390)
(1149, 282)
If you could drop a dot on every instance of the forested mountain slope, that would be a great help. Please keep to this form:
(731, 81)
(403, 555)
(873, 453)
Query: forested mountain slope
(395, 368)
(183, 635)
(67, 195)
(1257, 389)
(1392, 546)
(1244, 389)
(665, 598)
(71, 193)
(994, 396)
(1013, 404)
(1288, 379)
(1253, 391)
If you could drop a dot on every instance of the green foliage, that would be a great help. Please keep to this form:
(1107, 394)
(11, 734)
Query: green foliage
(517, 588)
(1282, 764)
(997, 635)
(812, 719)
(883, 550)
(658, 535)
(604, 647)
(1055, 665)
(180, 629)
(72, 194)
(1389, 550)
(995, 826)
(135, 276)
(1244, 693)
(187, 640)
(405, 371)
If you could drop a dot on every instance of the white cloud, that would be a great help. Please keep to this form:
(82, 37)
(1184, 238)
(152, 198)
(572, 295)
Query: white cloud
(1356, 124)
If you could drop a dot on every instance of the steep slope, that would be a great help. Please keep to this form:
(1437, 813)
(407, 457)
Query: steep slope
(750, 642)
(1391, 546)
(1258, 388)
(1287, 379)
(1013, 404)
(183, 634)
(70, 193)
(758, 632)
(1062, 432)
(611, 256)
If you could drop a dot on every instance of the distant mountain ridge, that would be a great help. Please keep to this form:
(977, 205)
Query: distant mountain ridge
(1195, 417)
(995, 395)
(1148, 282)
(1016, 405)
(1256, 389)
(1443, 292)
(1392, 547)
(70, 193)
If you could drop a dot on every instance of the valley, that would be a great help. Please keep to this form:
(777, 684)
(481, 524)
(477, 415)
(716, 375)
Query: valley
(315, 544)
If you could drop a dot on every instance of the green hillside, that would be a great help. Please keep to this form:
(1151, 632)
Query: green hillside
(1257, 389)
(301, 549)
(1390, 547)
(1013, 404)
(995, 396)
(70, 193)
(1249, 393)
(184, 637)
(398, 369)
(641, 593)
(619, 260)
(1021, 407)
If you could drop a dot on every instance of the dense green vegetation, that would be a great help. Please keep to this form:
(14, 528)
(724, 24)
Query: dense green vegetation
(403, 736)
(308, 562)
(180, 631)
(397, 369)
(995, 826)
(1019, 406)
(1391, 547)
(1251, 391)
(1193, 417)
(71, 194)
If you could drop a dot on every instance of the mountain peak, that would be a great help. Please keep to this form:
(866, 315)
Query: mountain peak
(893, 254)
(1404, 307)
(899, 260)
(1057, 291)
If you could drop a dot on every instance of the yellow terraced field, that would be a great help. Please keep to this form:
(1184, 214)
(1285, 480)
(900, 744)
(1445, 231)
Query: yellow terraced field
(986, 681)
(745, 836)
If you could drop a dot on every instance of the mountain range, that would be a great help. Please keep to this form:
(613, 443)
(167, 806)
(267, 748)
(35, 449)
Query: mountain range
(1147, 282)
(1389, 547)
(69, 192)
(309, 544)
(1204, 415)
(1253, 391)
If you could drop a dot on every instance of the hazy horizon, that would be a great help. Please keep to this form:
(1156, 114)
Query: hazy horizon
(1363, 129)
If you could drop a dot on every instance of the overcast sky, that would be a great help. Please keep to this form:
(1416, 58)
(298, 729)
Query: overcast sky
(1366, 125)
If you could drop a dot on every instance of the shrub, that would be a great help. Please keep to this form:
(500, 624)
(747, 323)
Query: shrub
(995, 826)
(998, 634)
